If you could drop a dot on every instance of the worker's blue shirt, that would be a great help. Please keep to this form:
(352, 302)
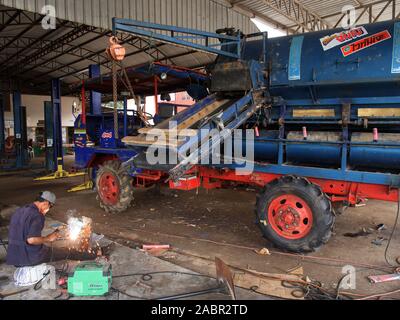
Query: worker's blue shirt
(27, 222)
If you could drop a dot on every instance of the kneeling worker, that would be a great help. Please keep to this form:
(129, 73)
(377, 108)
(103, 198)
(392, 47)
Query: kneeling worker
(27, 247)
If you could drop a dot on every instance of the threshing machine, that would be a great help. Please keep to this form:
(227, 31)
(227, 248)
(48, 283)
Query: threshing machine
(325, 109)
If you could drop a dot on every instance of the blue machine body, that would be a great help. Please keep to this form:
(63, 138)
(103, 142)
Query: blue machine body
(329, 90)
(97, 139)
(301, 62)
(339, 85)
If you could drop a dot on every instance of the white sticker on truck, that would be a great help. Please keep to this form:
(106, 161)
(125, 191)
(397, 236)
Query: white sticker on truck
(340, 38)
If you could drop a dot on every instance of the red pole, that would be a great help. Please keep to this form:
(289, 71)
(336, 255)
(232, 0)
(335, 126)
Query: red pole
(156, 93)
(83, 103)
(305, 134)
(376, 135)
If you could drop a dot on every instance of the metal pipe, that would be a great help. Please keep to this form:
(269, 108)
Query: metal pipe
(2, 125)
(17, 111)
(95, 97)
(330, 142)
(57, 131)
(126, 116)
(83, 96)
(156, 94)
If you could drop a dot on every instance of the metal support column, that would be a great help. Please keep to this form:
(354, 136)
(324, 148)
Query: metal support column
(18, 118)
(58, 166)
(57, 133)
(95, 97)
(2, 126)
(51, 165)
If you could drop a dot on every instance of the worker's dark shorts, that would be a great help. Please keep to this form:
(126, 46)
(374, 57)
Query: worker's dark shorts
(59, 254)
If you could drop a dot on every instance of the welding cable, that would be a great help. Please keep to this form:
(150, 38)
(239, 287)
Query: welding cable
(60, 295)
(380, 295)
(51, 256)
(339, 285)
(126, 294)
(392, 234)
(38, 284)
(64, 270)
(309, 258)
(148, 276)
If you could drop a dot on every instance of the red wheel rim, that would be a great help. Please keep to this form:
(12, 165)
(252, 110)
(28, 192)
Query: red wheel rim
(290, 217)
(109, 189)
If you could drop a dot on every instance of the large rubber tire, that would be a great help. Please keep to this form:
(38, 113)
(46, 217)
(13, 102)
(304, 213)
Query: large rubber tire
(114, 187)
(317, 227)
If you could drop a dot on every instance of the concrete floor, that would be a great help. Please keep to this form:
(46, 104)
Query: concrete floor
(125, 261)
(202, 225)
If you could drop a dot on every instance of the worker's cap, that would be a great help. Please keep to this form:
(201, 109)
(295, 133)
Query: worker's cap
(49, 196)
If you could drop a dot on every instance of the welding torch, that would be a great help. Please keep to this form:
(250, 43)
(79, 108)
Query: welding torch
(59, 228)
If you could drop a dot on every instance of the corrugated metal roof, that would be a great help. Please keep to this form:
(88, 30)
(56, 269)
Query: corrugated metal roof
(70, 61)
(282, 13)
(198, 14)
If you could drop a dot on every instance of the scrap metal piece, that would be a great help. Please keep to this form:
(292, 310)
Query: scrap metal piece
(381, 227)
(225, 277)
(384, 278)
(379, 241)
(362, 233)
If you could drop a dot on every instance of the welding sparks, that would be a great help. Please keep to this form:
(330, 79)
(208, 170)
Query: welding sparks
(79, 233)
(75, 226)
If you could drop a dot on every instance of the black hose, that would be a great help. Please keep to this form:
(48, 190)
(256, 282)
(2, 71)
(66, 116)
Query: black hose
(38, 284)
(392, 234)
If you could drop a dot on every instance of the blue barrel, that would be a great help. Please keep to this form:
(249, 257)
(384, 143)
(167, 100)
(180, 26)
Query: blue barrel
(375, 156)
(265, 150)
(314, 154)
(334, 63)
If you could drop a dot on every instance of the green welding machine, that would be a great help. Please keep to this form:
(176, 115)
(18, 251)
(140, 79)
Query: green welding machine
(90, 279)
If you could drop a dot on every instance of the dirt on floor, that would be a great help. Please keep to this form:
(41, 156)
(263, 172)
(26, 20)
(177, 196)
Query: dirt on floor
(200, 225)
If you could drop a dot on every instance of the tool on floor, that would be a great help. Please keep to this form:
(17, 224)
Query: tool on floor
(225, 281)
(10, 294)
(90, 279)
(4, 279)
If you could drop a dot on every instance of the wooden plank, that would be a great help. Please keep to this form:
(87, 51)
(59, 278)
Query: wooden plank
(267, 283)
(168, 132)
(202, 114)
(378, 112)
(144, 140)
(314, 113)
(182, 129)
(189, 122)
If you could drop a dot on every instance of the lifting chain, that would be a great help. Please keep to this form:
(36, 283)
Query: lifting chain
(136, 98)
(115, 98)
(115, 52)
